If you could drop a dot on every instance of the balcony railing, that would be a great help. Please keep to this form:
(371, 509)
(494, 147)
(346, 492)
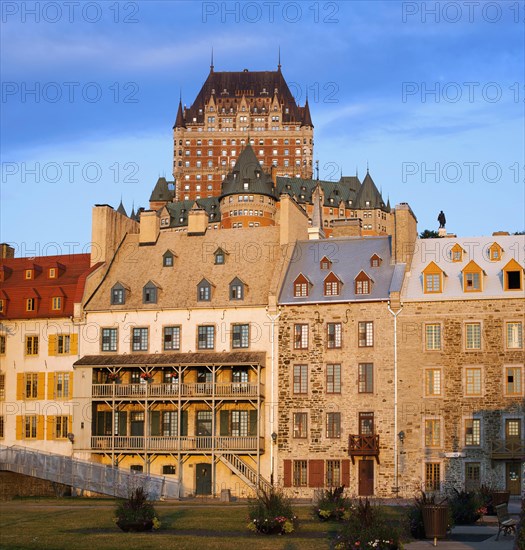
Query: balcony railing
(508, 449)
(173, 443)
(363, 445)
(174, 391)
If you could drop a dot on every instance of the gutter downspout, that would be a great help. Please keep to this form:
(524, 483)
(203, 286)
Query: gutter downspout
(396, 462)
(273, 319)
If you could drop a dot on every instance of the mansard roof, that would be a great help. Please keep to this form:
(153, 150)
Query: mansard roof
(247, 170)
(179, 210)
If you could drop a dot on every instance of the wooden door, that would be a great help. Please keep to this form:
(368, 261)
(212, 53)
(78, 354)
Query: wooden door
(366, 478)
(203, 479)
(513, 477)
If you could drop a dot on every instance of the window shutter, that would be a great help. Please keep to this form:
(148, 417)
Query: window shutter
(122, 423)
(51, 427)
(41, 386)
(20, 427)
(51, 385)
(40, 420)
(20, 380)
(345, 478)
(73, 344)
(52, 345)
(253, 423)
(155, 423)
(184, 423)
(225, 422)
(99, 427)
(71, 376)
(316, 473)
(287, 481)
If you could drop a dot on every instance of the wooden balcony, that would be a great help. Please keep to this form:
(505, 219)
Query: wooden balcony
(363, 445)
(193, 444)
(175, 391)
(507, 449)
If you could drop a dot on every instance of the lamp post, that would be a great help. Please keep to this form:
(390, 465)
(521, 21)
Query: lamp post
(274, 441)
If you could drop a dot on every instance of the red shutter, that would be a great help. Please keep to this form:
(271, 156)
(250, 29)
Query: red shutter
(287, 473)
(345, 473)
(316, 473)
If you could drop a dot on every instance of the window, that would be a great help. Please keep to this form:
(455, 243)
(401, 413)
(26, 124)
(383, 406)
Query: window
(473, 431)
(456, 253)
(331, 285)
(472, 282)
(432, 432)
(432, 382)
(300, 473)
(61, 427)
(300, 379)
(2, 387)
(31, 386)
(300, 287)
(2, 306)
(169, 423)
(149, 294)
(333, 335)
(2, 344)
(472, 476)
(219, 256)
(473, 336)
(171, 338)
(366, 334)
(63, 344)
(300, 425)
(167, 259)
(206, 337)
(300, 336)
(514, 335)
(432, 476)
(433, 337)
(56, 303)
(109, 339)
(326, 263)
(473, 381)
(333, 378)
(495, 252)
(333, 425)
(240, 336)
(236, 289)
(513, 380)
(375, 261)
(333, 473)
(140, 339)
(29, 274)
(513, 276)
(31, 345)
(366, 378)
(136, 467)
(432, 278)
(30, 304)
(169, 470)
(30, 422)
(118, 295)
(2, 427)
(62, 385)
(204, 291)
(362, 287)
(366, 423)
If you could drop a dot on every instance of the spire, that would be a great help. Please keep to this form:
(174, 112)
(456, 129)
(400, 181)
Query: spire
(307, 118)
(179, 121)
(317, 169)
(121, 209)
(211, 64)
(315, 231)
(132, 215)
(279, 62)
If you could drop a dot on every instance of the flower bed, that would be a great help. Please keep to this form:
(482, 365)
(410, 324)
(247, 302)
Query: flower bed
(271, 514)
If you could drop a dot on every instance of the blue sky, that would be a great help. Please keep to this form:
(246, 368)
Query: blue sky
(90, 92)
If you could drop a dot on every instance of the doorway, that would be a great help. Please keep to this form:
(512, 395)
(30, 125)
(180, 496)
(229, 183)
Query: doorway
(203, 479)
(513, 477)
(366, 478)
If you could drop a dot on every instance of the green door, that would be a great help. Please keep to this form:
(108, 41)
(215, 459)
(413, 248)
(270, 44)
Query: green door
(203, 479)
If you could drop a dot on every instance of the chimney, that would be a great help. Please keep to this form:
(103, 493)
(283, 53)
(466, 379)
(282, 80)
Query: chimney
(149, 227)
(405, 233)
(273, 173)
(6, 251)
(197, 221)
(349, 227)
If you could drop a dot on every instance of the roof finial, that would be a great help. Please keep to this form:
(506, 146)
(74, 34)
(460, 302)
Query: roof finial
(367, 167)
(317, 169)
(356, 172)
(279, 62)
(211, 65)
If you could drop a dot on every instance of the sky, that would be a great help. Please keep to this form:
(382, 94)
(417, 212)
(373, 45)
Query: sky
(428, 95)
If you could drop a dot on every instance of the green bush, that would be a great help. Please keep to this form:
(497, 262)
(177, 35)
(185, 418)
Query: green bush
(136, 511)
(271, 513)
(466, 507)
(367, 526)
(520, 534)
(332, 505)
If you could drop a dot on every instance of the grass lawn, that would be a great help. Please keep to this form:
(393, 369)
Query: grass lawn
(87, 524)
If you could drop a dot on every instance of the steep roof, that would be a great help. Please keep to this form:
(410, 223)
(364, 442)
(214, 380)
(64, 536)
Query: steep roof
(179, 121)
(368, 195)
(70, 275)
(161, 191)
(307, 118)
(121, 209)
(349, 256)
(248, 176)
(179, 210)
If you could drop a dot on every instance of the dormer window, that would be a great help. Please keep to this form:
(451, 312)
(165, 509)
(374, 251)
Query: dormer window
(30, 304)
(363, 283)
(167, 259)
(326, 263)
(149, 293)
(433, 279)
(301, 286)
(495, 252)
(236, 289)
(375, 261)
(472, 277)
(118, 295)
(513, 276)
(56, 303)
(246, 186)
(456, 253)
(2, 306)
(29, 274)
(332, 285)
(52, 273)
(219, 256)
(204, 291)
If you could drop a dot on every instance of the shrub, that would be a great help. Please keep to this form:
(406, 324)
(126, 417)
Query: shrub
(519, 543)
(415, 514)
(466, 507)
(271, 513)
(136, 512)
(367, 527)
(332, 505)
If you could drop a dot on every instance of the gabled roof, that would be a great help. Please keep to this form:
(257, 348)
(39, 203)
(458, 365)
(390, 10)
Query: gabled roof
(471, 267)
(179, 210)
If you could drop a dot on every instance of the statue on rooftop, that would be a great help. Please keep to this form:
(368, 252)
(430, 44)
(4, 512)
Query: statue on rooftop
(442, 220)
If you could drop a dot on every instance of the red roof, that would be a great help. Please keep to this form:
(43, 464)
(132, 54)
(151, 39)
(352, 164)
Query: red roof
(25, 278)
